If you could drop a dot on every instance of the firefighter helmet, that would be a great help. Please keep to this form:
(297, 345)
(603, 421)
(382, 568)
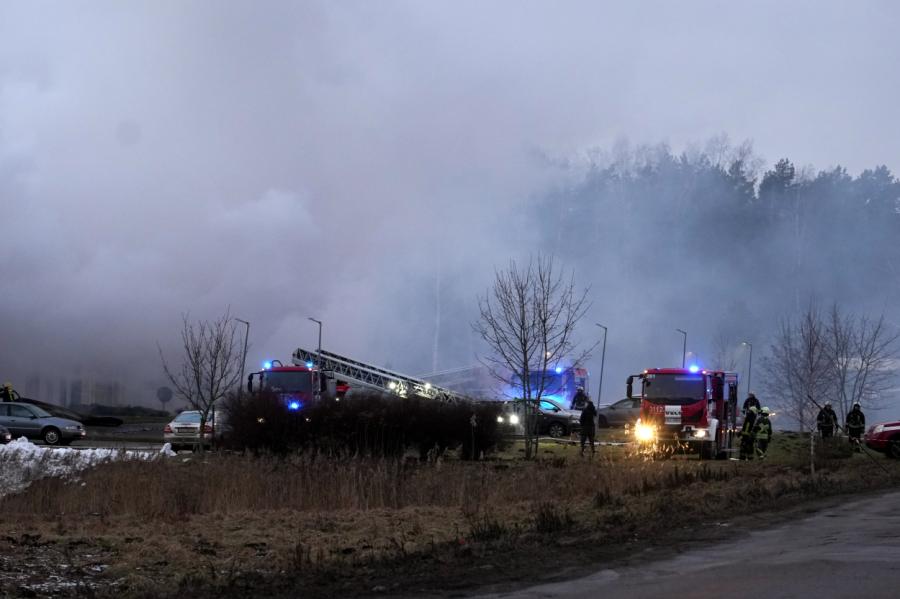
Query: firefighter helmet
(765, 410)
(753, 409)
(856, 405)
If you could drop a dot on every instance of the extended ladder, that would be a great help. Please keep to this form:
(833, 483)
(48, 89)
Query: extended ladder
(372, 377)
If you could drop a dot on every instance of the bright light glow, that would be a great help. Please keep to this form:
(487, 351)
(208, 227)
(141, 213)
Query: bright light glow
(427, 386)
(392, 385)
(694, 368)
(513, 419)
(644, 433)
(309, 364)
(294, 405)
(500, 419)
(267, 365)
(559, 370)
(700, 433)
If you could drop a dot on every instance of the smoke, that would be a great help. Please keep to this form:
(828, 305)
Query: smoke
(360, 163)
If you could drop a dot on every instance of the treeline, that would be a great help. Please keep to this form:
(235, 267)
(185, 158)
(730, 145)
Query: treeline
(712, 226)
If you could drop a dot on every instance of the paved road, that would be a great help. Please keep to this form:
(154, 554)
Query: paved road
(848, 551)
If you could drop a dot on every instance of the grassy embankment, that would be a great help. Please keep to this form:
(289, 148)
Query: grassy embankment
(226, 524)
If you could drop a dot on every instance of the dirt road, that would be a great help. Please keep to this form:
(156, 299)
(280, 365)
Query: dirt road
(852, 550)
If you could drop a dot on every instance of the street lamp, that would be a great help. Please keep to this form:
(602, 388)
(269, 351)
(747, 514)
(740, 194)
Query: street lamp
(683, 347)
(602, 362)
(244, 359)
(749, 364)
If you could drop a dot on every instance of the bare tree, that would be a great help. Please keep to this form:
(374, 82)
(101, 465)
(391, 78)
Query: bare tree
(800, 368)
(211, 364)
(724, 352)
(862, 353)
(528, 319)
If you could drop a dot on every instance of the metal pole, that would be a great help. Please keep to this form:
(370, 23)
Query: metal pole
(683, 347)
(244, 359)
(602, 363)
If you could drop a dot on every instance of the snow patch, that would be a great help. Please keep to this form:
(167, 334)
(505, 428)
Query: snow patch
(22, 462)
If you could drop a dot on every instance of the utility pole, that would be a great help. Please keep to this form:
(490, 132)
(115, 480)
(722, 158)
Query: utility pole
(602, 362)
(683, 347)
(244, 358)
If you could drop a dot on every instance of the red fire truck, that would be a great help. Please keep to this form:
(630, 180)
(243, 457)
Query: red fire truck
(687, 409)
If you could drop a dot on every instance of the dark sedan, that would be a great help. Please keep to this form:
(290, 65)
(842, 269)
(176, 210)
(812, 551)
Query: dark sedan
(624, 411)
(26, 420)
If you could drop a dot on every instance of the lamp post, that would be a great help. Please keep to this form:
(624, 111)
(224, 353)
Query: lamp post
(683, 347)
(602, 362)
(244, 358)
(749, 364)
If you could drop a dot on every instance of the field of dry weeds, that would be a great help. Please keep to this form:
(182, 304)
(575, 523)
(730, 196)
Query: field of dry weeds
(234, 525)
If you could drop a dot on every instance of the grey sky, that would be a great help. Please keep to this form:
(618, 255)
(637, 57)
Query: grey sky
(314, 158)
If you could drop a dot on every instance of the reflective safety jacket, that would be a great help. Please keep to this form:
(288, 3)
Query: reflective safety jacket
(763, 428)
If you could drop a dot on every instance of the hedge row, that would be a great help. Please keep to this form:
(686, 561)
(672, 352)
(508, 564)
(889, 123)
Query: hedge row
(368, 424)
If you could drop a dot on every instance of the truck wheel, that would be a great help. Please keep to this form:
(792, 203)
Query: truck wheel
(557, 430)
(50, 435)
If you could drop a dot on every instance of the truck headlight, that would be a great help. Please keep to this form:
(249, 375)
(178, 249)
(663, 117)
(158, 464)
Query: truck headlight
(513, 419)
(700, 433)
(500, 419)
(644, 432)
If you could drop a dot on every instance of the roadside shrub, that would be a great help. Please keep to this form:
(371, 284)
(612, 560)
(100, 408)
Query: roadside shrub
(368, 424)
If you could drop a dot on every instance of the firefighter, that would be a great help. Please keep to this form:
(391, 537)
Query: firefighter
(588, 416)
(750, 402)
(747, 434)
(856, 424)
(7, 393)
(579, 400)
(762, 433)
(826, 421)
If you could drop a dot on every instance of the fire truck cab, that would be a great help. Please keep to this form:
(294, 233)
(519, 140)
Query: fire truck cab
(297, 385)
(687, 409)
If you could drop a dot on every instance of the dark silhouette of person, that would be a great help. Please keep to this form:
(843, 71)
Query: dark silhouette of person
(826, 421)
(588, 425)
(747, 437)
(856, 425)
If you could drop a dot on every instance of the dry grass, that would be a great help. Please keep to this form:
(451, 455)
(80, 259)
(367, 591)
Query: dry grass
(230, 522)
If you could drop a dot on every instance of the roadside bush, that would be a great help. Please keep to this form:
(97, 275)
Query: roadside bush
(368, 424)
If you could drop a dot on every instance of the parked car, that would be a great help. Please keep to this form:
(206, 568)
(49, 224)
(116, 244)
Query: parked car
(884, 437)
(5, 435)
(27, 420)
(184, 431)
(555, 420)
(624, 411)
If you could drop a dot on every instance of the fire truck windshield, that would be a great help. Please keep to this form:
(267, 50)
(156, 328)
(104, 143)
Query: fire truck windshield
(296, 381)
(674, 388)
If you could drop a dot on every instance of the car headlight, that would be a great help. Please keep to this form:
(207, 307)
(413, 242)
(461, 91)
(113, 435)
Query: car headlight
(878, 429)
(73, 428)
(513, 419)
(644, 432)
(500, 419)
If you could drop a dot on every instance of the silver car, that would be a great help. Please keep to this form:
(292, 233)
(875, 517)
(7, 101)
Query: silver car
(27, 420)
(184, 431)
(623, 412)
